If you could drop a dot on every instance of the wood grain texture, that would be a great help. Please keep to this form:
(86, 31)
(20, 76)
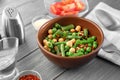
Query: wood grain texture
(30, 57)
(31, 10)
(30, 42)
(38, 62)
(27, 12)
(13, 3)
(97, 69)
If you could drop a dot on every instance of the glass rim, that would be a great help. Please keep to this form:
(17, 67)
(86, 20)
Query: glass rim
(7, 38)
(81, 13)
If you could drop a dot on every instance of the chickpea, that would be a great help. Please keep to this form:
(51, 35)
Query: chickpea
(50, 36)
(55, 40)
(46, 44)
(72, 30)
(69, 43)
(44, 41)
(78, 28)
(55, 47)
(85, 47)
(81, 33)
(72, 50)
(58, 35)
(77, 48)
(82, 45)
(60, 54)
(47, 48)
(50, 31)
(61, 40)
(73, 40)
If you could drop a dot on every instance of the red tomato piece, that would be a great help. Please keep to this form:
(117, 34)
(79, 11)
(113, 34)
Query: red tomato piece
(79, 6)
(67, 7)
(69, 13)
(52, 9)
(58, 5)
(29, 77)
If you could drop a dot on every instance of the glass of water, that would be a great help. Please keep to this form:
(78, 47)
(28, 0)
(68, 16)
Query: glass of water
(8, 51)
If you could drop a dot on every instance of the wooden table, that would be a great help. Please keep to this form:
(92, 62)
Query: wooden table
(30, 57)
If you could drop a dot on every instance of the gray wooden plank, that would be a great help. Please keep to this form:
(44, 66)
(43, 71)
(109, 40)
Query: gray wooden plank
(28, 59)
(30, 34)
(13, 3)
(29, 11)
(37, 61)
(30, 42)
(97, 69)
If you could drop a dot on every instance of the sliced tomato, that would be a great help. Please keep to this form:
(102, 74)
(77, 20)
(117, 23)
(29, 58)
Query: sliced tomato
(55, 10)
(59, 5)
(79, 6)
(67, 7)
(63, 13)
(52, 9)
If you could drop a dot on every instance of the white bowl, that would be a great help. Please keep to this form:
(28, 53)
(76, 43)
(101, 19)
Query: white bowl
(26, 72)
(47, 4)
(38, 21)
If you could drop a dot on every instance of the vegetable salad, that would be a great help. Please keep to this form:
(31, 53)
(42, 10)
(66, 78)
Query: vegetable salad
(69, 40)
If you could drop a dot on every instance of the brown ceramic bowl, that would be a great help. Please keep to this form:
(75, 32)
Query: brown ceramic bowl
(70, 62)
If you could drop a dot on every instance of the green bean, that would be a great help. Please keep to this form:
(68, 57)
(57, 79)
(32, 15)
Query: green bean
(65, 33)
(74, 34)
(81, 42)
(58, 26)
(85, 32)
(67, 48)
(90, 40)
(86, 52)
(58, 32)
(62, 49)
(54, 30)
(80, 53)
(69, 54)
(95, 44)
(90, 44)
(81, 50)
(71, 37)
(77, 43)
(77, 54)
(57, 49)
(88, 49)
(50, 45)
(93, 37)
(58, 43)
(68, 27)
(53, 51)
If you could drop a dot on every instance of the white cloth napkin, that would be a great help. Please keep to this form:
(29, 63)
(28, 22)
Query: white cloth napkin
(112, 36)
